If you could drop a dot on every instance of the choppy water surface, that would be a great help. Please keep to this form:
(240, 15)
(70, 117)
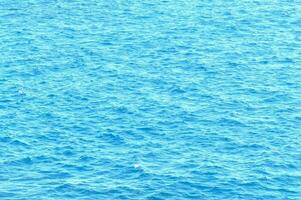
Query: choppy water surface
(150, 99)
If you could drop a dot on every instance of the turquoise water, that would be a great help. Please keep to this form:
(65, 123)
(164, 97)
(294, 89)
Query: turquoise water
(150, 99)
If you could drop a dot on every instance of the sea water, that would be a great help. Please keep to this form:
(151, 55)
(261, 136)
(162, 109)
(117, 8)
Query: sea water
(150, 100)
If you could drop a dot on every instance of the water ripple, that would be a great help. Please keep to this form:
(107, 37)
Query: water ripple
(150, 100)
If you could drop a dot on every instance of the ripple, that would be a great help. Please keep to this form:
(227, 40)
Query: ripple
(150, 100)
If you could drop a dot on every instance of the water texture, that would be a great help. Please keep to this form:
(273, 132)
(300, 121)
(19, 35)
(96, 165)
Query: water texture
(150, 100)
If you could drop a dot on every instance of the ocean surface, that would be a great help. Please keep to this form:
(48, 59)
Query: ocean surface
(151, 100)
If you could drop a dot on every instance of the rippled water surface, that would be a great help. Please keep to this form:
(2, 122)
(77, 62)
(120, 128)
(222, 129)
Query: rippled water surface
(150, 99)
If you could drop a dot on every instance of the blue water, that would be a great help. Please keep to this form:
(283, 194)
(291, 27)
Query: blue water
(150, 99)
